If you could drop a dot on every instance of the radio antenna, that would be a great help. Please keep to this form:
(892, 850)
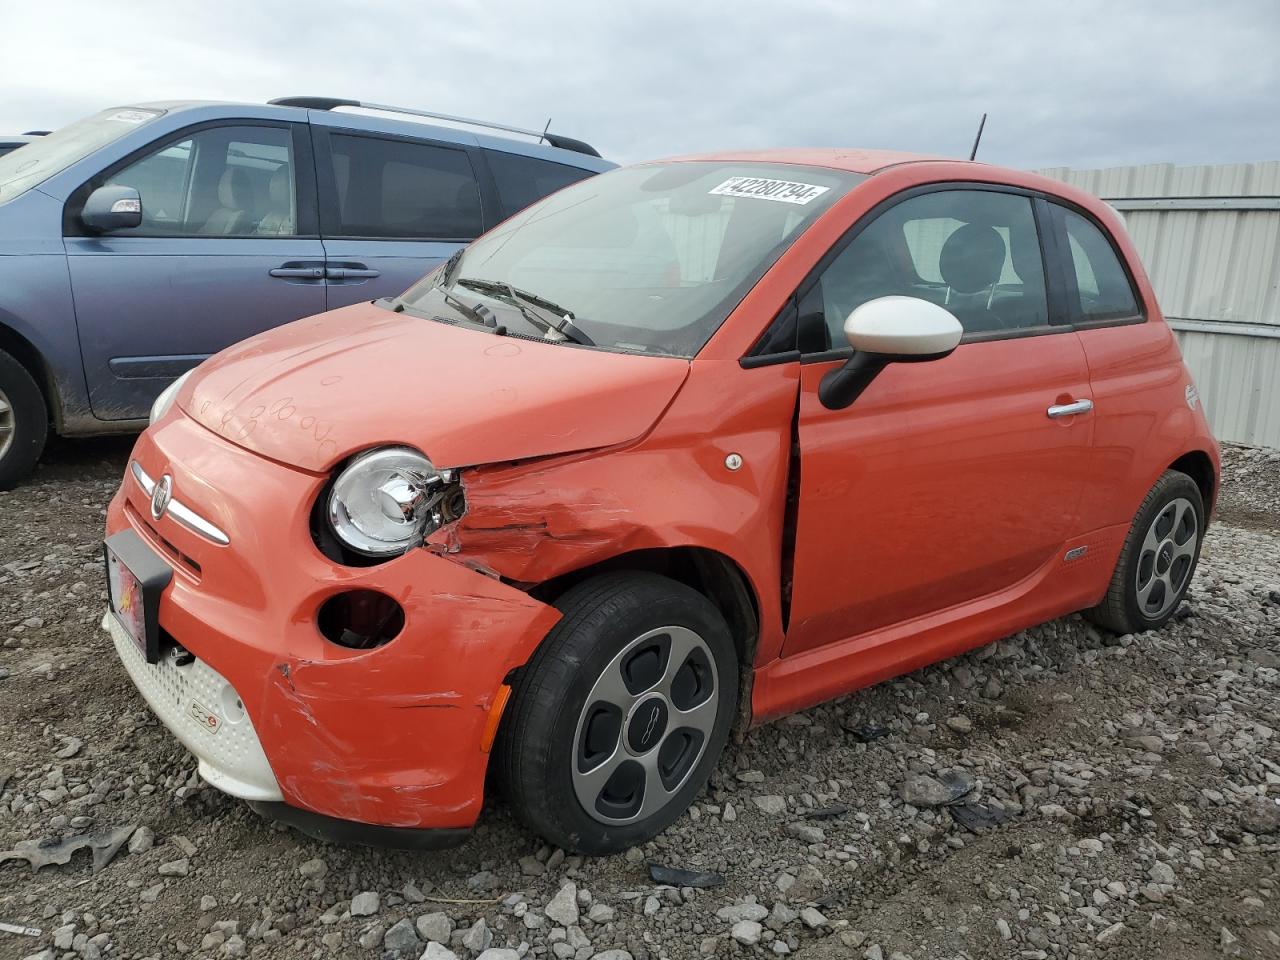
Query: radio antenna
(978, 139)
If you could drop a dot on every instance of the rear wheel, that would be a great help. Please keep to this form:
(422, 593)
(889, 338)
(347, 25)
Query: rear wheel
(1158, 558)
(24, 421)
(621, 714)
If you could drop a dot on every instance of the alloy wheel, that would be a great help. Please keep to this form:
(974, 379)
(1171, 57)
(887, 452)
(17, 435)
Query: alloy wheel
(6, 424)
(1166, 557)
(645, 725)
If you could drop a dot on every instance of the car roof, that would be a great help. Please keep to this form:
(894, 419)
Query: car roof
(927, 167)
(852, 159)
(394, 120)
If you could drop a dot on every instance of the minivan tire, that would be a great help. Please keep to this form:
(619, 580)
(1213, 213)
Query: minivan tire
(24, 421)
(541, 755)
(1121, 610)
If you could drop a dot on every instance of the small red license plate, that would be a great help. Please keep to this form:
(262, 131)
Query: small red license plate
(127, 600)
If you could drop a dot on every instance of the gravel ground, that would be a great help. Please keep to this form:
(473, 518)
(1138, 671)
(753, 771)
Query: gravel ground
(1128, 788)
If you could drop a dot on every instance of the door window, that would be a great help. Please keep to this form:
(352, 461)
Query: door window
(522, 180)
(1102, 284)
(220, 182)
(975, 252)
(399, 189)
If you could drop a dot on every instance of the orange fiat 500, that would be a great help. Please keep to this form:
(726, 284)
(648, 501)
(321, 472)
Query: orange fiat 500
(687, 444)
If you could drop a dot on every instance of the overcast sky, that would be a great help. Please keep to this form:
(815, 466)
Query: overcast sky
(1084, 83)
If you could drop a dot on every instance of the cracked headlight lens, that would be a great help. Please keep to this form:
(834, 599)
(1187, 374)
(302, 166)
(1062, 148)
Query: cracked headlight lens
(386, 501)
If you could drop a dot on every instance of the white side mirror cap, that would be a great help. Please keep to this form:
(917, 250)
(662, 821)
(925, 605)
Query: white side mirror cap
(905, 327)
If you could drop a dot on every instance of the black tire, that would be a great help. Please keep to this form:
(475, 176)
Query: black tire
(24, 425)
(1120, 610)
(538, 746)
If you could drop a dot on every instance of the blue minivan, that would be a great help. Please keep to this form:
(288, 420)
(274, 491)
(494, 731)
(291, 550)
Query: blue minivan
(137, 242)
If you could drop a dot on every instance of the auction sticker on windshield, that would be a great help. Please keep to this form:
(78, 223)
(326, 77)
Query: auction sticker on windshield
(133, 116)
(783, 191)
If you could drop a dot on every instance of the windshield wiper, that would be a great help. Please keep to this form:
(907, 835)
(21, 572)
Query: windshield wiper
(560, 323)
(476, 314)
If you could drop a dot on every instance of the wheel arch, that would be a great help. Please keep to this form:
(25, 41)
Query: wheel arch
(715, 575)
(26, 353)
(1198, 465)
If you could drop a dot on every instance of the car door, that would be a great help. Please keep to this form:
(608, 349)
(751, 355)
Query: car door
(1135, 367)
(945, 481)
(228, 247)
(391, 207)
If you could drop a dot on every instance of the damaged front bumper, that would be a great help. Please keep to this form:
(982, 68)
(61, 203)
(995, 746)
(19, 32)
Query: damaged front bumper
(392, 737)
(204, 712)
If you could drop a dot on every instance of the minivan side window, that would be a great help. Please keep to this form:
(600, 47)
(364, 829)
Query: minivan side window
(521, 180)
(1105, 292)
(401, 189)
(975, 252)
(220, 182)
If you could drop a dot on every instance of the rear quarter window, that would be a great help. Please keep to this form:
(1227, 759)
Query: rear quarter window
(522, 180)
(1103, 289)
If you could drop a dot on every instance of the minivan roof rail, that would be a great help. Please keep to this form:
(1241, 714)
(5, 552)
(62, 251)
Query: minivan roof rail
(330, 103)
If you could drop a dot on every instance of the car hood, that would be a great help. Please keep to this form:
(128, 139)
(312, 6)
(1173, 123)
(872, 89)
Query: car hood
(313, 392)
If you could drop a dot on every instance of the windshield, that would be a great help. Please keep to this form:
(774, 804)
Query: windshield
(44, 156)
(647, 259)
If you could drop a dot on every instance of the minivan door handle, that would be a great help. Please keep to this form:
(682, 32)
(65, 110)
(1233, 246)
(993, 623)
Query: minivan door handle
(1070, 409)
(298, 270)
(350, 271)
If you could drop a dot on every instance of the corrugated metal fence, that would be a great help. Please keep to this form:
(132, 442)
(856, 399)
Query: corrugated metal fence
(1210, 240)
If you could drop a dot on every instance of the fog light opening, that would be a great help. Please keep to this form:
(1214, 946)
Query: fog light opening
(360, 619)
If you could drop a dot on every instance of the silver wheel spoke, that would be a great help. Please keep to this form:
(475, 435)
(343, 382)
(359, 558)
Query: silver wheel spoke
(1187, 549)
(683, 643)
(612, 688)
(593, 780)
(701, 718)
(1151, 543)
(656, 793)
(1145, 592)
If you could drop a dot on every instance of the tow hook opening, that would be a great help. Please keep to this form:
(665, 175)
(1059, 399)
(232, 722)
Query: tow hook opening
(360, 619)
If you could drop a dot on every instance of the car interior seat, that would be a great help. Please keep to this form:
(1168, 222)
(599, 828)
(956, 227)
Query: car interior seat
(235, 201)
(279, 219)
(971, 262)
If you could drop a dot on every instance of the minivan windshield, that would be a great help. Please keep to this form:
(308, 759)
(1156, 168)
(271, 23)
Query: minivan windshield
(44, 156)
(647, 259)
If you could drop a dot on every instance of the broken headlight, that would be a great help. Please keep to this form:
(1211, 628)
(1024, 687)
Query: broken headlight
(386, 501)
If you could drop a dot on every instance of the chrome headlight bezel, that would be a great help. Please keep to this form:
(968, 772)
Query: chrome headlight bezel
(160, 406)
(387, 501)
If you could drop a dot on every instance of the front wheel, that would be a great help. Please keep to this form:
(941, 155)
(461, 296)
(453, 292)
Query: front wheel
(24, 421)
(620, 716)
(1158, 558)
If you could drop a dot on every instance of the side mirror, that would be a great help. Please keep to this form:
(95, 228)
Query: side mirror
(112, 208)
(888, 330)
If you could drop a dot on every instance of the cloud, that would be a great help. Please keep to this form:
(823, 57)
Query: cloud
(1087, 83)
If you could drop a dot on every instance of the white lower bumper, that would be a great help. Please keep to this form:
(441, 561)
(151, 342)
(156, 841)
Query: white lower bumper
(203, 711)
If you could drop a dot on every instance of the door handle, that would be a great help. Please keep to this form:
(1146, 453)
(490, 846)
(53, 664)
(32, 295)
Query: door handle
(351, 271)
(295, 272)
(1070, 409)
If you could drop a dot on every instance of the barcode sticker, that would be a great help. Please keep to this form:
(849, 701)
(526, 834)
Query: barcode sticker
(761, 188)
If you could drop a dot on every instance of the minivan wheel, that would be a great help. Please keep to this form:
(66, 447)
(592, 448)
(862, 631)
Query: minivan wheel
(1158, 558)
(620, 716)
(24, 421)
